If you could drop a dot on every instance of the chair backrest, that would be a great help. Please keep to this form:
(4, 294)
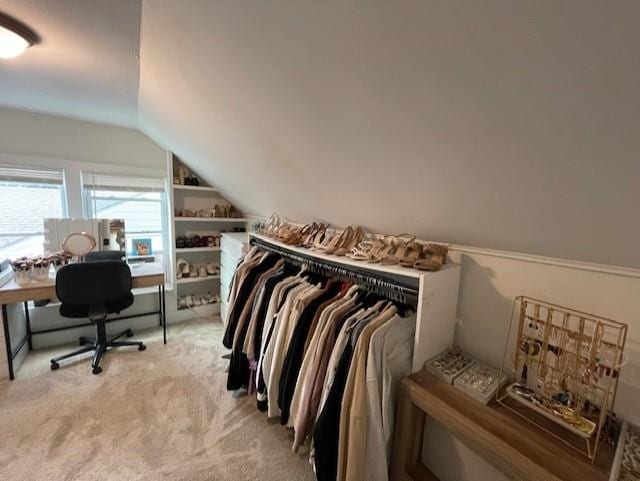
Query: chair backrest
(94, 256)
(91, 283)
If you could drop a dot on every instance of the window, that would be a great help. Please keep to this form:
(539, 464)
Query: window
(141, 202)
(27, 196)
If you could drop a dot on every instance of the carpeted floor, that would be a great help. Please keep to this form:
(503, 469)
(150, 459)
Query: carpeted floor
(162, 414)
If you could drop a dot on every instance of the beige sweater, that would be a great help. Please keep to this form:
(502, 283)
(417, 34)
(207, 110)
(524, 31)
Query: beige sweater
(353, 419)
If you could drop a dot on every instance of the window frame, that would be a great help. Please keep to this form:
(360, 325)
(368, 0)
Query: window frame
(61, 187)
(88, 201)
(73, 189)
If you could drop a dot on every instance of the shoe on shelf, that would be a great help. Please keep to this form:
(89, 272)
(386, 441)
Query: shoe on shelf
(368, 249)
(386, 247)
(353, 240)
(338, 241)
(315, 236)
(182, 302)
(202, 270)
(182, 268)
(189, 300)
(411, 255)
(323, 240)
(403, 243)
(193, 271)
(295, 235)
(212, 268)
(434, 257)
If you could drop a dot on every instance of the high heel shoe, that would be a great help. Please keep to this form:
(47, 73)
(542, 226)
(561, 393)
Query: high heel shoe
(293, 236)
(365, 250)
(387, 247)
(402, 243)
(316, 234)
(272, 224)
(413, 253)
(329, 239)
(338, 241)
(435, 256)
(354, 239)
(315, 237)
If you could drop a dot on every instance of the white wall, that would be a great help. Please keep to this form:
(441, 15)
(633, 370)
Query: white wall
(495, 123)
(49, 136)
(37, 139)
(489, 283)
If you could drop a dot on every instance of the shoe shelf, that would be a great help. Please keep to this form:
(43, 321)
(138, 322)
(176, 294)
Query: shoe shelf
(393, 270)
(195, 188)
(212, 219)
(184, 250)
(195, 198)
(191, 280)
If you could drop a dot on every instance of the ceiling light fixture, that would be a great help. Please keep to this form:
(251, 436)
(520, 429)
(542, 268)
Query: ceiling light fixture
(15, 37)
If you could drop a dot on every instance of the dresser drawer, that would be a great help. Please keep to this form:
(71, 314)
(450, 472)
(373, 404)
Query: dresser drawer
(232, 245)
(223, 311)
(224, 292)
(225, 279)
(228, 262)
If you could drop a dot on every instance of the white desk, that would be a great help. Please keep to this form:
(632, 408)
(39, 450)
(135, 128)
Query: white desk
(143, 275)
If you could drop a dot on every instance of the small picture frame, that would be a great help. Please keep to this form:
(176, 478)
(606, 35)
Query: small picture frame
(141, 247)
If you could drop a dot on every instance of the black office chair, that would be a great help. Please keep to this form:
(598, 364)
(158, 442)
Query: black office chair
(94, 290)
(94, 256)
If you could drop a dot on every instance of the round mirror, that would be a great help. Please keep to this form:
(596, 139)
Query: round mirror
(79, 243)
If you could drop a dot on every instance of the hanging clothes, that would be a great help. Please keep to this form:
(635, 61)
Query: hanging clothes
(389, 360)
(323, 355)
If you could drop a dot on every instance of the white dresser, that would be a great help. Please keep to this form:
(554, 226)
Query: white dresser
(234, 246)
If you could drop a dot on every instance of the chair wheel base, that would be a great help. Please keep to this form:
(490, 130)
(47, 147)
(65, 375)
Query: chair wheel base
(129, 333)
(54, 365)
(96, 370)
(142, 347)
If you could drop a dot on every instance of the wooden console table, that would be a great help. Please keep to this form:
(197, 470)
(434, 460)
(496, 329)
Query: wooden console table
(511, 444)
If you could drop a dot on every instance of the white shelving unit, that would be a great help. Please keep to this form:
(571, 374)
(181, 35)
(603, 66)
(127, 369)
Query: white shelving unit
(191, 280)
(218, 220)
(186, 250)
(196, 198)
(234, 246)
(198, 188)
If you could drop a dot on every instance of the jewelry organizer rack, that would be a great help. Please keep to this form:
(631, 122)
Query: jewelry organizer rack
(566, 365)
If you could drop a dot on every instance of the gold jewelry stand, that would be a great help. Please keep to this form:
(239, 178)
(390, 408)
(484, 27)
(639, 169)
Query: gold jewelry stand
(566, 366)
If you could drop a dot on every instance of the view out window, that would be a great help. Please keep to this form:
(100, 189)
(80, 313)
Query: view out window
(27, 196)
(141, 202)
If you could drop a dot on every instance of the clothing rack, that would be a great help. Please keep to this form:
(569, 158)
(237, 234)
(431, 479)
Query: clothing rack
(372, 281)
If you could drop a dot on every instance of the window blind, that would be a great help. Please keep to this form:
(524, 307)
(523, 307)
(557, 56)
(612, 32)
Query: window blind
(92, 180)
(36, 175)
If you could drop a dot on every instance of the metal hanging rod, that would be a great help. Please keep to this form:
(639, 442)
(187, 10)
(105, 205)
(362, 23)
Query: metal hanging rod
(374, 282)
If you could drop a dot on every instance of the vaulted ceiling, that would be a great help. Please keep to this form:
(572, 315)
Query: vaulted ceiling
(503, 124)
(493, 123)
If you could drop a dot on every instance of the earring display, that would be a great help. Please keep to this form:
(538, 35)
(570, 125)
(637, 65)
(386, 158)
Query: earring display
(480, 382)
(449, 364)
(566, 366)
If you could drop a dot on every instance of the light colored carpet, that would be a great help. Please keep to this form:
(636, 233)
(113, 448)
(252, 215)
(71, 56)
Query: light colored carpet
(162, 414)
